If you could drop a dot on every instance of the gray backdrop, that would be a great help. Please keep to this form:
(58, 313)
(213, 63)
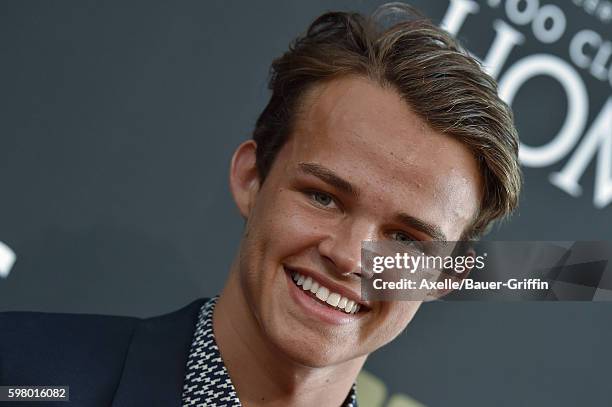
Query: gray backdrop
(118, 123)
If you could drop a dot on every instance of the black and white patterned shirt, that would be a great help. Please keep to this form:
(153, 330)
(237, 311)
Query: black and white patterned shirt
(207, 382)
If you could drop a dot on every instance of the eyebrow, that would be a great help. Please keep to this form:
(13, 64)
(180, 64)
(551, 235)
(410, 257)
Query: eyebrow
(329, 177)
(431, 230)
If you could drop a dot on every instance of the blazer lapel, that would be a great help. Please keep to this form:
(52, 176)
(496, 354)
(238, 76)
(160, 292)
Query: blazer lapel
(155, 362)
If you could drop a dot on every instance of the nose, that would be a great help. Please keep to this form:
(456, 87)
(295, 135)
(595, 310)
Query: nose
(341, 248)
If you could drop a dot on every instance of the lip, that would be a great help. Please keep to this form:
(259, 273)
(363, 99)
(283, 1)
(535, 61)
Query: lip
(333, 286)
(314, 308)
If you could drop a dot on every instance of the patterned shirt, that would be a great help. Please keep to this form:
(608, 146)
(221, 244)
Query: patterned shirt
(207, 382)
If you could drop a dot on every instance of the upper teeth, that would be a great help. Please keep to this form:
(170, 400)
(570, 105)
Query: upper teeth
(323, 293)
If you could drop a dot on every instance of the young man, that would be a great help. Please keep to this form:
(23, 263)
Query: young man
(372, 133)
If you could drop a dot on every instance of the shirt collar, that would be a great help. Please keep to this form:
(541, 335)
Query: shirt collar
(207, 382)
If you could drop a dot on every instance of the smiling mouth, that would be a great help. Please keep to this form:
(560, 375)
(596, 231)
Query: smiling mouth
(324, 294)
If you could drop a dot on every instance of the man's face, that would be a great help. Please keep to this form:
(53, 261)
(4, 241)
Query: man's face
(358, 166)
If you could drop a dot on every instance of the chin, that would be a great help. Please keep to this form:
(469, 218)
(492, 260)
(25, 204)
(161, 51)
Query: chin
(311, 350)
(311, 356)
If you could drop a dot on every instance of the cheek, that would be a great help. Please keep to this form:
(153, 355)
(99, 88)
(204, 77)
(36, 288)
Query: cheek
(285, 221)
(397, 316)
(281, 225)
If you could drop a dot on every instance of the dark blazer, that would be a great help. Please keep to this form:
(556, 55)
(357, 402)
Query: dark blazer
(106, 360)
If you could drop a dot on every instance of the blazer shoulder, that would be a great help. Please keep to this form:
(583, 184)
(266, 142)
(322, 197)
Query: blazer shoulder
(61, 332)
(86, 352)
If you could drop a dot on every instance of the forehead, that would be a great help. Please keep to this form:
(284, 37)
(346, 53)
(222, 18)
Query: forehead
(368, 135)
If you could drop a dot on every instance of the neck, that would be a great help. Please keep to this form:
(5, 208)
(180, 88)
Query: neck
(260, 372)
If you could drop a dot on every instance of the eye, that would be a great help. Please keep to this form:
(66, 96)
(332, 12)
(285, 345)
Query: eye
(402, 237)
(409, 241)
(322, 199)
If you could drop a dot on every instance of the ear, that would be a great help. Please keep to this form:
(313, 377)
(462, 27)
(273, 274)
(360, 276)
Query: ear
(454, 276)
(244, 179)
